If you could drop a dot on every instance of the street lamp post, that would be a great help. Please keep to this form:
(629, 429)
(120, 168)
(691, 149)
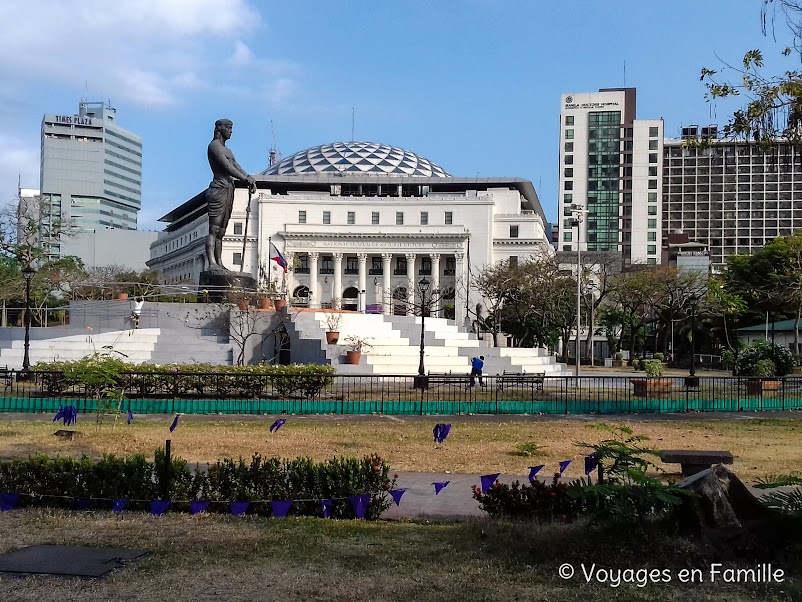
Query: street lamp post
(692, 380)
(577, 213)
(421, 380)
(28, 273)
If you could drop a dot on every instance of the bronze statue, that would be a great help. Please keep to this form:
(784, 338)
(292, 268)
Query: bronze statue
(220, 194)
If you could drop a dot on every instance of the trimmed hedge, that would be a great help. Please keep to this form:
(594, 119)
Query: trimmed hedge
(182, 380)
(62, 480)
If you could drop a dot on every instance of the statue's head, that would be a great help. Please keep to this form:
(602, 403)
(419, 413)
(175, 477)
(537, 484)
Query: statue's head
(222, 124)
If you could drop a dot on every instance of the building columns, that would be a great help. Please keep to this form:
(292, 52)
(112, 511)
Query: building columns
(460, 288)
(387, 294)
(314, 294)
(436, 281)
(338, 280)
(410, 280)
(290, 275)
(363, 272)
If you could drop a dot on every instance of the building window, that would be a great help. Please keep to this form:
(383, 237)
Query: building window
(399, 218)
(424, 218)
(652, 144)
(652, 157)
(652, 223)
(401, 266)
(237, 260)
(652, 197)
(374, 218)
(237, 227)
(513, 231)
(351, 218)
(451, 266)
(567, 236)
(327, 217)
(513, 261)
(569, 147)
(302, 217)
(652, 209)
(653, 131)
(651, 249)
(351, 265)
(425, 267)
(376, 266)
(569, 134)
(652, 184)
(568, 172)
(569, 185)
(568, 198)
(651, 236)
(569, 120)
(327, 264)
(569, 159)
(653, 171)
(449, 218)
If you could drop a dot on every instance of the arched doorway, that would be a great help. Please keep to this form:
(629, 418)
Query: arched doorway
(351, 299)
(400, 301)
(300, 296)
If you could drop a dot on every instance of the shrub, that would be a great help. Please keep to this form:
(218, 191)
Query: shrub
(540, 501)
(58, 480)
(763, 350)
(659, 357)
(529, 449)
(654, 368)
(619, 356)
(636, 364)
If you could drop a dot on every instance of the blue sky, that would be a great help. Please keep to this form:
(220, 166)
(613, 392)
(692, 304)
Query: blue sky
(473, 85)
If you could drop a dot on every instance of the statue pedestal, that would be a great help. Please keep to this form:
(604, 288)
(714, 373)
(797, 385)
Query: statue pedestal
(225, 286)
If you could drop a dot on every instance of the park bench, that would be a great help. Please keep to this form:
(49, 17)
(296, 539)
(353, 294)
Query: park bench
(451, 379)
(7, 376)
(533, 380)
(694, 460)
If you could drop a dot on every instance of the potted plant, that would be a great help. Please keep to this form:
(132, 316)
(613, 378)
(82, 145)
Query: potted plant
(760, 363)
(356, 344)
(618, 362)
(333, 319)
(642, 387)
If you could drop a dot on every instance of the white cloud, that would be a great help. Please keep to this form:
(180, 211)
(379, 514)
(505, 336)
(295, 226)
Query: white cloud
(141, 50)
(242, 54)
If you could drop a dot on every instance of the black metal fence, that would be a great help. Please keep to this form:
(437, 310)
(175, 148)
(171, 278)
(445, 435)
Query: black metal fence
(314, 393)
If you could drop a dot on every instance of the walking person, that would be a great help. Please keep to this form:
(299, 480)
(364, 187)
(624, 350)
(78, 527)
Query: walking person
(477, 363)
(136, 312)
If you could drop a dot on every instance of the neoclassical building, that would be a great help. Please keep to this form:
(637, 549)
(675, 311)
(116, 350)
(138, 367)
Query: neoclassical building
(360, 224)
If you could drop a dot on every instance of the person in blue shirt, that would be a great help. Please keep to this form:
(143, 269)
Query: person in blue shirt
(477, 363)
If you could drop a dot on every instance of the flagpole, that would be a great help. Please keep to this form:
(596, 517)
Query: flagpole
(270, 261)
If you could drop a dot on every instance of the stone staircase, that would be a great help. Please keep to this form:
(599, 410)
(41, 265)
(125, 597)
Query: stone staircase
(395, 346)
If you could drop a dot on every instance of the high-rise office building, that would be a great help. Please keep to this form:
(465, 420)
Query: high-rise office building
(729, 196)
(610, 165)
(91, 170)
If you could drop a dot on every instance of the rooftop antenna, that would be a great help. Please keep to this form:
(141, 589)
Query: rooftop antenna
(353, 118)
(274, 155)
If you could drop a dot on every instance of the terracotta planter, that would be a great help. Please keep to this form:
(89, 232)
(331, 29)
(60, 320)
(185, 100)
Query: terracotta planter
(265, 303)
(756, 386)
(280, 304)
(642, 387)
(243, 304)
(618, 363)
(332, 337)
(122, 296)
(353, 357)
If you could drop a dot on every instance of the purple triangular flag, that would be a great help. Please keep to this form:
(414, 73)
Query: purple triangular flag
(130, 416)
(59, 414)
(563, 465)
(239, 508)
(277, 425)
(280, 507)
(82, 503)
(590, 463)
(533, 470)
(325, 505)
(360, 504)
(159, 507)
(488, 480)
(174, 424)
(396, 495)
(7, 501)
(197, 506)
(119, 505)
(439, 486)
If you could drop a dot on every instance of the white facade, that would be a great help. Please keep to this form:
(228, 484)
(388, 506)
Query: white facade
(610, 164)
(128, 249)
(363, 236)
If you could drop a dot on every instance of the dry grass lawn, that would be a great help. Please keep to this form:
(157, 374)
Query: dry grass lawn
(761, 446)
(245, 559)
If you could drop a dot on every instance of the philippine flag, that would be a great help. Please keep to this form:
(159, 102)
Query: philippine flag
(275, 255)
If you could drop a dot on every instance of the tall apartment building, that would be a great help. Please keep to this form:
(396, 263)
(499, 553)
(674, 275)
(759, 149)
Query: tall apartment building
(730, 196)
(610, 164)
(91, 170)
